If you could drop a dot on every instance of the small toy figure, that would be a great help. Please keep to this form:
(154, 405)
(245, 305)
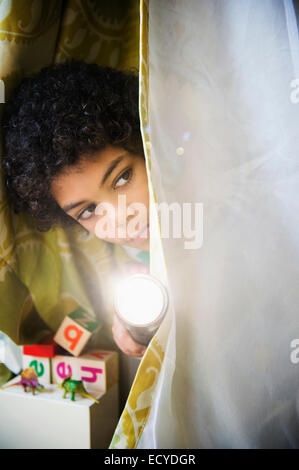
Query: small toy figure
(29, 379)
(74, 386)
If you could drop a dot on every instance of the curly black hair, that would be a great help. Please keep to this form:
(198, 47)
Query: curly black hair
(63, 112)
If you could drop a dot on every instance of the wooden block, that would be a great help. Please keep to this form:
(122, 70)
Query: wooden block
(75, 331)
(98, 369)
(100, 359)
(63, 366)
(41, 365)
(48, 348)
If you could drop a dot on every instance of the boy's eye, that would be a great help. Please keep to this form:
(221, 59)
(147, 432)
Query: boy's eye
(121, 181)
(86, 213)
(124, 178)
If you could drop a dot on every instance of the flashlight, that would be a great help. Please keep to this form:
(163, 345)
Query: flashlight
(140, 302)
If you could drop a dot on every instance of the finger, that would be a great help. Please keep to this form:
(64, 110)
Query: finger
(123, 335)
(128, 345)
(130, 352)
(125, 341)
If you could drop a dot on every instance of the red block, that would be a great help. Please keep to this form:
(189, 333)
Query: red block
(48, 348)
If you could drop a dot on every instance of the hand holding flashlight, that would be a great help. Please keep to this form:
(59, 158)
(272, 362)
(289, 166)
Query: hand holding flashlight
(124, 340)
(140, 304)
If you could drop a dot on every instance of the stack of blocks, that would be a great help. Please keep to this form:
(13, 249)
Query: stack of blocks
(97, 369)
(82, 423)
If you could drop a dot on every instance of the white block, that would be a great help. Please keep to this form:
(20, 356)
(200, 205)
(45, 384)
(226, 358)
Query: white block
(63, 366)
(97, 369)
(72, 336)
(41, 365)
(47, 421)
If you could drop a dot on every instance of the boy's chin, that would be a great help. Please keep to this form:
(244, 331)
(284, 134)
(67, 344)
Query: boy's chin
(139, 243)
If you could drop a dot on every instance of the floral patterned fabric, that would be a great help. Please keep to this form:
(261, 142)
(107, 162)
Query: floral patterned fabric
(135, 415)
(44, 276)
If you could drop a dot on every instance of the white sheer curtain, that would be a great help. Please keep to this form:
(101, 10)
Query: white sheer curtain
(224, 123)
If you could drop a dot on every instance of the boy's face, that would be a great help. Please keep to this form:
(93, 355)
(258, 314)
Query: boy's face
(116, 178)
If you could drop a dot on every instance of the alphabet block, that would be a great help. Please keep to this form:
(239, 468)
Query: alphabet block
(47, 348)
(97, 369)
(75, 331)
(63, 366)
(41, 365)
(108, 360)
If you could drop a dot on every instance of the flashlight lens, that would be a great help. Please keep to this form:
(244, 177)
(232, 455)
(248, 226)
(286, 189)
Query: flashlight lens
(140, 300)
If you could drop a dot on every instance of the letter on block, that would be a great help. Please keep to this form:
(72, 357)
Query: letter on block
(63, 366)
(75, 331)
(99, 369)
(41, 365)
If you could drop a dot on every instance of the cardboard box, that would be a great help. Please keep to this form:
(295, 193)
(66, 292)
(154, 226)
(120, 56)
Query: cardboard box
(47, 421)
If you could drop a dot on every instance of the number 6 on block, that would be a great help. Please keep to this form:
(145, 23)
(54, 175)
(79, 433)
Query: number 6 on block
(75, 331)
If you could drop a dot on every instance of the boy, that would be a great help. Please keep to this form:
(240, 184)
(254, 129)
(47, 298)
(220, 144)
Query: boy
(71, 146)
